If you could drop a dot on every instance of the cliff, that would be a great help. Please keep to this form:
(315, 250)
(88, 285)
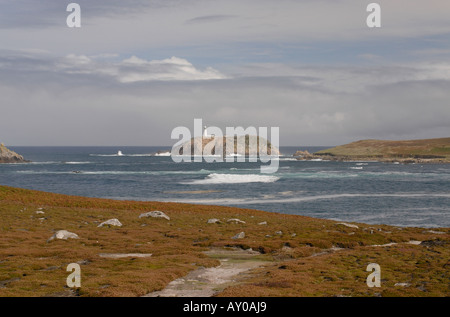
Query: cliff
(8, 156)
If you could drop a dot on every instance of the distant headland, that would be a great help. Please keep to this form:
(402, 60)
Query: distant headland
(409, 151)
(8, 156)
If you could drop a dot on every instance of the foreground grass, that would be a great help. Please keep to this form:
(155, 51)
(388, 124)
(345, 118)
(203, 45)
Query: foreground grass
(302, 262)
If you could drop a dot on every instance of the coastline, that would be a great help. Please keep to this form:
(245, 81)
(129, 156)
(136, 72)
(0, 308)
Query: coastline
(303, 256)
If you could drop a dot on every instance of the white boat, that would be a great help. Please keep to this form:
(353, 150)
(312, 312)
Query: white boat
(119, 153)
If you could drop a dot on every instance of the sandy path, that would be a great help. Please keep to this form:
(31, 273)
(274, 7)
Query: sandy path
(206, 282)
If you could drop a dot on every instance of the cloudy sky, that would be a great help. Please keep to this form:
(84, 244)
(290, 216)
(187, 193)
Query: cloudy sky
(137, 69)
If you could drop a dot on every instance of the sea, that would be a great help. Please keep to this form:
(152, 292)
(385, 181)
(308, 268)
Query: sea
(408, 195)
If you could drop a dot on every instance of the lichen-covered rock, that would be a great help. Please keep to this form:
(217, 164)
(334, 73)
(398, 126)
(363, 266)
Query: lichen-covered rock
(110, 222)
(240, 235)
(235, 220)
(63, 235)
(155, 214)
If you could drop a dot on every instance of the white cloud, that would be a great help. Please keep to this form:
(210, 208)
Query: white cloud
(136, 69)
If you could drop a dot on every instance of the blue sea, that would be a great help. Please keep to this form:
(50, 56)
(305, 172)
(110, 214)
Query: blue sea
(414, 195)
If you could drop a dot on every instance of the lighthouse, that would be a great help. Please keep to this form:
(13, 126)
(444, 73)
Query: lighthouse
(205, 133)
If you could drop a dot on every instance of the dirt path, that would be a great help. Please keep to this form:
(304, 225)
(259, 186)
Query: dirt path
(206, 282)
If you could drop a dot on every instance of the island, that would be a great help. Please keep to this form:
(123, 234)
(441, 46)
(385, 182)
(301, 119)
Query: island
(242, 146)
(8, 156)
(407, 151)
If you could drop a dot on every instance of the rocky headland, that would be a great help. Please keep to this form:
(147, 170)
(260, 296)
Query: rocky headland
(8, 156)
(410, 151)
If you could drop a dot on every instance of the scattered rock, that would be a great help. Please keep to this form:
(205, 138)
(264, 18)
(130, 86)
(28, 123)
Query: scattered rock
(348, 225)
(84, 262)
(124, 255)
(214, 220)
(235, 220)
(432, 243)
(64, 235)
(110, 222)
(39, 212)
(286, 248)
(435, 232)
(262, 223)
(5, 282)
(240, 235)
(279, 232)
(155, 214)
(403, 284)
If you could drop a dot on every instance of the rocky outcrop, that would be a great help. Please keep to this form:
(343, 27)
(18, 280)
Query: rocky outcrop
(8, 156)
(303, 155)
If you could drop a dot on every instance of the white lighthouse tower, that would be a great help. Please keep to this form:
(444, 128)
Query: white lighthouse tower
(205, 132)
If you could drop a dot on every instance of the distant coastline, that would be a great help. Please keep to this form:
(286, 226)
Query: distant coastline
(409, 151)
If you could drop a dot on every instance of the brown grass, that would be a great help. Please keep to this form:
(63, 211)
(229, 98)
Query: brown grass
(31, 266)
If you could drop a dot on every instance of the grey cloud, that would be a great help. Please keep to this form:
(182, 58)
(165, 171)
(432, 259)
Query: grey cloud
(210, 18)
(312, 106)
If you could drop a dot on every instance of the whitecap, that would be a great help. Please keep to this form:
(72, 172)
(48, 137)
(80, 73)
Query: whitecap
(233, 179)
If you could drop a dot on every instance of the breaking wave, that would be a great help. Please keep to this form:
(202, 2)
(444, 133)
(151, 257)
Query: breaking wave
(233, 179)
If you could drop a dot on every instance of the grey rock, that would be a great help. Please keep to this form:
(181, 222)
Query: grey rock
(110, 222)
(348, 225)
(124, 255)
(235, 220)
(63, 235)
(214, 220)
(240, 235)
(155, 214)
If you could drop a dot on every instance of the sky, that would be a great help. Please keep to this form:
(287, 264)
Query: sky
(135, 70)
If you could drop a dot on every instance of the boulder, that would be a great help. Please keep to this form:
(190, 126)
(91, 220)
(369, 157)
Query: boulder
(240, 235)
(155, 214)
(124, 255)
(214, 220)
(63, 235)
(348, 225)
(235, 220)
(111, 222)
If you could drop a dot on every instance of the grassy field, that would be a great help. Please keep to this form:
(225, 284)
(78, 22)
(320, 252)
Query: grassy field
(305, 256)
(437, 150)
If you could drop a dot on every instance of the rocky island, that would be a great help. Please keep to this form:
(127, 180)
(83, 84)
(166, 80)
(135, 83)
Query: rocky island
(409, 151)
(8, 156)
(242, 146)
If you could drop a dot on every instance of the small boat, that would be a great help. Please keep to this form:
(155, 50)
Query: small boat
(119, 153)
